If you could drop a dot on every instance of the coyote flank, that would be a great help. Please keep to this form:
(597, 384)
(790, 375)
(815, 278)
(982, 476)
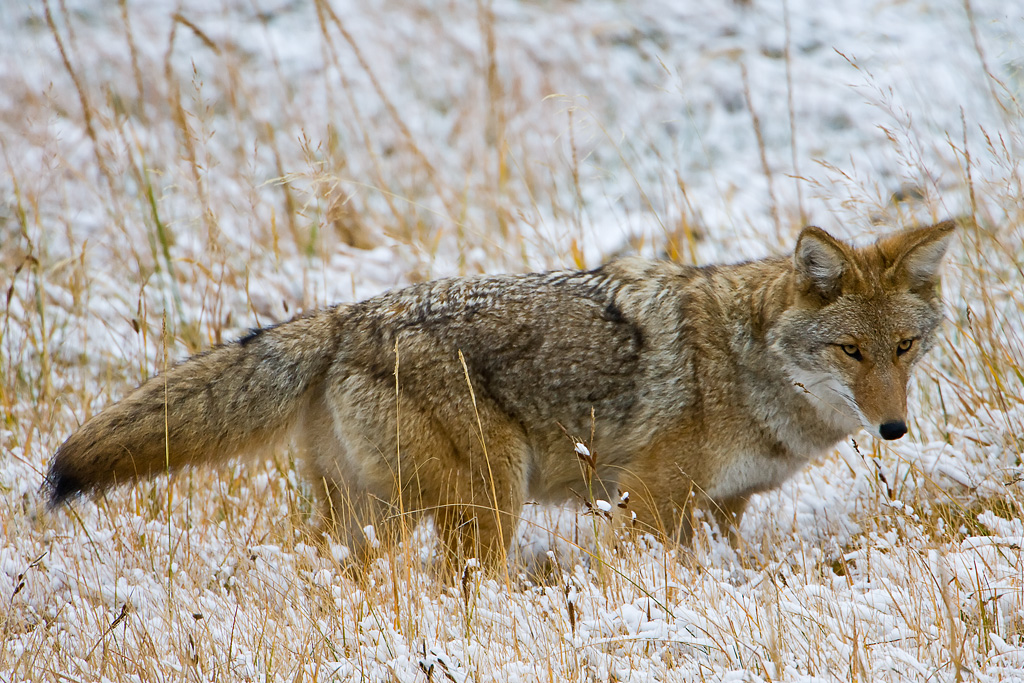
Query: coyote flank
(701, 385)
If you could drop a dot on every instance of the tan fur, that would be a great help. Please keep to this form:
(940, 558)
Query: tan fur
(701, 385)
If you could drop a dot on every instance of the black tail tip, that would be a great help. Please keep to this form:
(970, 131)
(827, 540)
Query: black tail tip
(60, 487)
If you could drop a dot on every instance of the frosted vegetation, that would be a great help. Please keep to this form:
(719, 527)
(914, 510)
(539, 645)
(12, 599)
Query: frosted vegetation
(177, 172)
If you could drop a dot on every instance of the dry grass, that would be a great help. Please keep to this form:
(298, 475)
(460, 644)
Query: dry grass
(172, 188)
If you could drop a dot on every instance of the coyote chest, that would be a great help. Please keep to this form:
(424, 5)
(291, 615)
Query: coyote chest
(748, 473)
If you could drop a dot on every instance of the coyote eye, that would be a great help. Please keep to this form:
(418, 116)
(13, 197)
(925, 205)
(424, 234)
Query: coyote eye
(852, 351)
(904, 346)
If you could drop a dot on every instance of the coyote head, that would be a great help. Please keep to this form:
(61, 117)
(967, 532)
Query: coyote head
(859, 320)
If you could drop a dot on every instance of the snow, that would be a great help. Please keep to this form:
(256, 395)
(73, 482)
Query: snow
(300, 154)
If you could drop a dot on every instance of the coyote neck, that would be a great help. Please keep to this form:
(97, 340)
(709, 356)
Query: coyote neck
(759, 294)
(762, 291)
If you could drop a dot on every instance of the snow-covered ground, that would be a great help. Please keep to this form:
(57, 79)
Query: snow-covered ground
(177, 172)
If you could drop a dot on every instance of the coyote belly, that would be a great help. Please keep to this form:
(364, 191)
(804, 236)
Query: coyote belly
(460, 398)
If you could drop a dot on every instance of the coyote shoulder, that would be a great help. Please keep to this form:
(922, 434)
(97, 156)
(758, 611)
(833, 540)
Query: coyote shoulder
(460, 398)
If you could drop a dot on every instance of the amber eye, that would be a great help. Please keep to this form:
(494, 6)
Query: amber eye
(904, 346)
(852, 351)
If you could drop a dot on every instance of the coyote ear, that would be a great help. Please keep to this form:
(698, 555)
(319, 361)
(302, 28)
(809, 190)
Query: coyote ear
(819, 259)
(923, 253)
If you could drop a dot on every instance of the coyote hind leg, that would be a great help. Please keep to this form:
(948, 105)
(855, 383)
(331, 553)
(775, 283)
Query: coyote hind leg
(481, 492)
(476, 519)
(369, 525)
(463, 463)
(361, 517)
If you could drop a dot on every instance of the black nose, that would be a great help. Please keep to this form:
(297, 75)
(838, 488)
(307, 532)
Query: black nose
(892, 430)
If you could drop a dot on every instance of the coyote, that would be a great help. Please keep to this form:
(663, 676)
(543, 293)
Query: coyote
(463, 398)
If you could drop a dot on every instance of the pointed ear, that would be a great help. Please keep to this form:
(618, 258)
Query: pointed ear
(820, 260)
(924, 248)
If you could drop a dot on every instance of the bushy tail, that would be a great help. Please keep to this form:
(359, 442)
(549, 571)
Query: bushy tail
(206, 409)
